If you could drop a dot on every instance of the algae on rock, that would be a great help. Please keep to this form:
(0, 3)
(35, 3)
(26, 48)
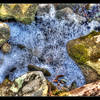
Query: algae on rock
(24, 13)
(30, 84)
(86, 53)
(79, 53)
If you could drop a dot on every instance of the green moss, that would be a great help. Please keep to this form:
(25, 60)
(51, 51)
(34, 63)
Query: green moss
(57, 92)
(8, 12)
(79, 53)
(24, 20)
(18, 84)
(93, 33)
(90, 35)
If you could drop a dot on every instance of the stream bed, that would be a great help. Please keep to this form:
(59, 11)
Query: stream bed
(45, 46)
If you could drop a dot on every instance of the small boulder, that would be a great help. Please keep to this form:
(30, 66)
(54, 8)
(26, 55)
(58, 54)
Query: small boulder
(86, 53)
(30, 84)
(68, 14)
(24, 13)
(4, 33)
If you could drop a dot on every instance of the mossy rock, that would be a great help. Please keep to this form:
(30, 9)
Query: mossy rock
(30, 84)
(4, 33)
(85, 51)
(79, 53)
(24, 13)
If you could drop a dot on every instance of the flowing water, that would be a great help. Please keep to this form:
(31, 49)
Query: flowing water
(45, 46)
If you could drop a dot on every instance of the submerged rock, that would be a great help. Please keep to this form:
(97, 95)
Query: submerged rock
(21, 12)
(36, 68)
(4, 33)
(29, 84)
(86, 52)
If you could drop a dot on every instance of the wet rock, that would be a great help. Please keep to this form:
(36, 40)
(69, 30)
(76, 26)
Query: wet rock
(59, 6)
(29, 84)
(42, 10)
(6, 48)
(67, 14)
(36, 68)
(87, 11)
(64, 12)
(4, 33)
(75, 7)
(21, 12)
(86, 52)
(35, 84)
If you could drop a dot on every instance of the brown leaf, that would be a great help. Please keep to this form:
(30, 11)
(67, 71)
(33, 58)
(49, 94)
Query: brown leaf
(58, 76)
(55, 81)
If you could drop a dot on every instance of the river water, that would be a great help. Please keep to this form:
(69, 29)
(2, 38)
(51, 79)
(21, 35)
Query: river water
(45, 44)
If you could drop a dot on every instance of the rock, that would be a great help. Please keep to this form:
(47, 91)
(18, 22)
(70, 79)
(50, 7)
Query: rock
(67, 14)
(64, 12)
(42, 10)
(59, 6)
(6, 48)
(24, 13)
(29, 84)
(89, 73)
(4, 33)
(35, 84)
(36, 68)
(92, 89)
(86, 53)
